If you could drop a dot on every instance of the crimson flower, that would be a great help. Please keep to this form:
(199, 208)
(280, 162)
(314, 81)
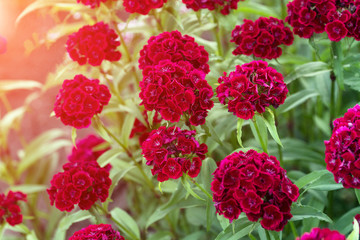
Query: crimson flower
(224, 5)
(9, 208)
(142, 6)
(100, 231)
(253, 183)
(325, 233)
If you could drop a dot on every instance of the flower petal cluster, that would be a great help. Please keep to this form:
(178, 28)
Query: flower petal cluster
(174, 47)
(174, 89)
(139, 129)
(93, 44)
(251, 87)
(142, 6)
(9, 208)
(225, 5)
(325, 233)
(100, 231)
(92, 3)
(261, 37)
(339, 18)
(79, 100)
(343, 150)
(253, 183)
(83, 181)
(172, 152)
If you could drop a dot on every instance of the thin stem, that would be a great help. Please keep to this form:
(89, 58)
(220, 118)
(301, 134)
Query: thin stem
(332, 99)
(330, 204)
(217, 34)
(158, 21)
(200, 187)
(293, 229)
(262, 143)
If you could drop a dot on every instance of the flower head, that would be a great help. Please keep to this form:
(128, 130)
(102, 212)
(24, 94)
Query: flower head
(253, 183)
(251, 87)
(224, 5)
(92, 3)
(174, 47)
(261, 38)
(142, 6)
(9, 207)
(325, 233)
(93, 44)
(342, 149)
(139, 129)
(338, 18)
(172, 152)
(100, 231)
(79, 100)
(84, 150)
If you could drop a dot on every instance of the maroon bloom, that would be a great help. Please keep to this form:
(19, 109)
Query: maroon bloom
(142, 6)
(342, 149)
(79, 100)
(251, 87)
(100, 231)
(92, 3)
(224, 5)
(325, 233)
(253, 183)
(172, 152)
(336, 30)
(9, 207)
(93, 44)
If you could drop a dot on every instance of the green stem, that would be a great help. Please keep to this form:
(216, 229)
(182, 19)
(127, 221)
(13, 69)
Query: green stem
(217, 34)
(200, 187)
(332, 99)
(293, 229)
(262, 143)
(330, 204)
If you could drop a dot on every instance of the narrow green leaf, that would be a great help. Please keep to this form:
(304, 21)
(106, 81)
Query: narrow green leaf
(344, 223)
(325, 182)
(337, 62)
(109, 156)
(269, 120)
(241, 228)
(28, 188)
(296, 99)
(309, 178)
(67, 221)
(354, 235)
(301, 212)
(9, 85)
(126, 221)
(188, 188)
(259, 131)
(307, 70)
(357, 193)
(239, 131)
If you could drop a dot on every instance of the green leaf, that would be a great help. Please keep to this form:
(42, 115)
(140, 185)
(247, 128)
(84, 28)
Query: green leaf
(127, 222)
(357, 193)
(307, 70)
(242, 227)
(28, 188)
(296, 99)
(109, 156)
(188, 188)
(224, 222)
(269, 120)
(259, 131)
(309, 178)
(337, 62)
(354, 235)
(239, 131)
(344, 223)
(325, 183)
(161, 235)
(301, 212)
(9, 85)
(127, 128)
(67, 221)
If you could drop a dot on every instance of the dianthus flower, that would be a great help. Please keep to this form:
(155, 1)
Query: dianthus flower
(339, 18)
(176, 48)
(343, 150)
(174, 89)
(261, 38)
(79, 100)
(100, 231)
(251, 87)
(3, 44)
(93, 44)
(225, 5)
(357, 217)
(323, 234)
(253, 183)
(172, 152)
(142, 6)
(84, 150)
(9, 208)
(139, 129)
(82, 183)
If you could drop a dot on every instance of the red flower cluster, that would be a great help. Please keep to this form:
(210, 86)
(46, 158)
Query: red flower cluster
(84, 150)
(325, 233)
(9, 208)
(172, 152)
(81, 183)
(139, 129)
(342, 150)
(93, 44)
(79, 100)
(175, 47)
(261, 38)
(142, 6)
(357, 217)
(254, 183)
(100, 231)
(173, 89)
(225, 5)
(339, 18)
(251, 87)
(92, 3)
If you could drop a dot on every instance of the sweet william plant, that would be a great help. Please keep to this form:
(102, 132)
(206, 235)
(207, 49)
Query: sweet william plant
(211, 119)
